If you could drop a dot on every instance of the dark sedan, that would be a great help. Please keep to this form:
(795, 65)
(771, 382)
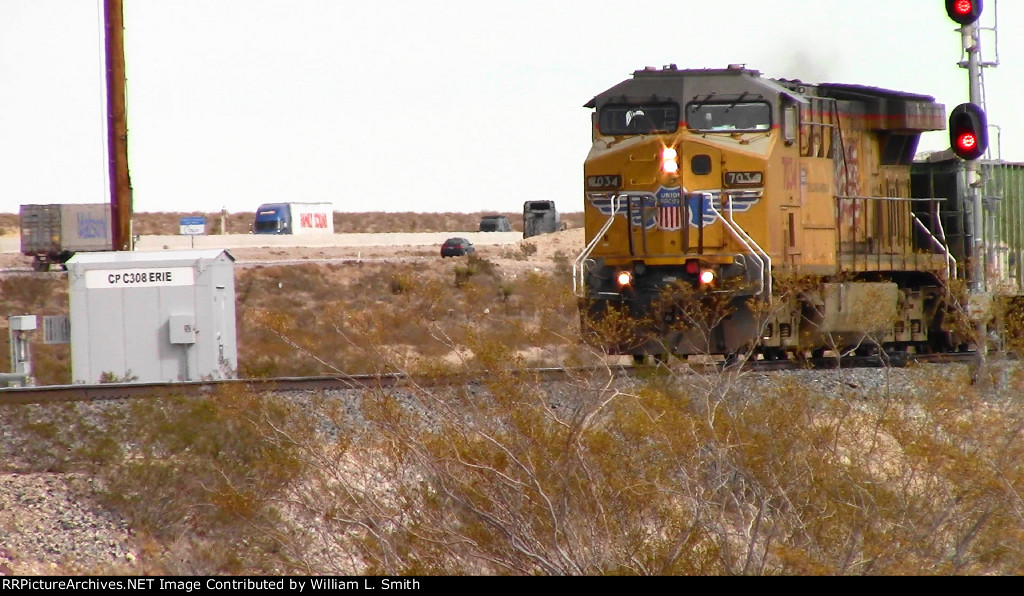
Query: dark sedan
(457, 247)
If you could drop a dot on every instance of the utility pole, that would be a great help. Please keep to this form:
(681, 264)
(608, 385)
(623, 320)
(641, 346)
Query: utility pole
(117, 127)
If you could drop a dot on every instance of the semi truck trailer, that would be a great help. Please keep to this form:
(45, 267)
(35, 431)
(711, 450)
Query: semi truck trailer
(294, 218)
(52, 234)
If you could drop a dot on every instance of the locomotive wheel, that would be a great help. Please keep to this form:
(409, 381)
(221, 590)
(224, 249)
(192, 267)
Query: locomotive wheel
(733, 358)
(866, 350)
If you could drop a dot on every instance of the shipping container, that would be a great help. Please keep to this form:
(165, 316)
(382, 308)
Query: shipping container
(942, 176)
(52, 234)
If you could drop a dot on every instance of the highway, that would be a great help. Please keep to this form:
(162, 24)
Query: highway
(12, 244)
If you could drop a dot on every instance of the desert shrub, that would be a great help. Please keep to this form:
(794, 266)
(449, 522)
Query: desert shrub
(27, 294)
(497, 472)
(401, 283)
(10, 224)
(41, 295)
(181, 472)
(109, 377)
(463, 273)
(563, 267)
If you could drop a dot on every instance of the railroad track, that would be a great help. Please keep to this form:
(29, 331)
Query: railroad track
(886, 359)
(123, 391)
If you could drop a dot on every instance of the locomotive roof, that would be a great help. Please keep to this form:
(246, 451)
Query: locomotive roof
(656, 83)
(888, 109)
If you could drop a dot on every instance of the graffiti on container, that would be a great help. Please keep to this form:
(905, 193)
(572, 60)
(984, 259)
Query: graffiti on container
(313, 220)
(91, 227)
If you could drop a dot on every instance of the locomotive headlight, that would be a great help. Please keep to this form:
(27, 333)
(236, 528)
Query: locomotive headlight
(707, 276)
(624, 278)
(669, 165)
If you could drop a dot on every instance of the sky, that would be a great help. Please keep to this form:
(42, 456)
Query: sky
(443, 106)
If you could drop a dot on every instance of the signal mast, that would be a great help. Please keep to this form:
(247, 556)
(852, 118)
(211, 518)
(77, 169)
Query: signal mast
(968, 127)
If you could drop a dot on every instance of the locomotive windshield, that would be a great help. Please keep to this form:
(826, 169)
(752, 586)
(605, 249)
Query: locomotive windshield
(735, 116)
(638, 119)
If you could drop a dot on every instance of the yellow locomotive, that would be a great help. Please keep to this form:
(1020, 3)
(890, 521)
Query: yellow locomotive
(730, 213)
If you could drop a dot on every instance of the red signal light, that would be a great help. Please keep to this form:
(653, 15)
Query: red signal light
(964, 12)
(968, 131)
(967, 142)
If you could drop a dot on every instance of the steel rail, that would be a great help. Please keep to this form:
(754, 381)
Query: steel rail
(50, 394)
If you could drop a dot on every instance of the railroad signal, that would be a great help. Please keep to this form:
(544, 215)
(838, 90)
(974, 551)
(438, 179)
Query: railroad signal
(968, 131)
(964, 12)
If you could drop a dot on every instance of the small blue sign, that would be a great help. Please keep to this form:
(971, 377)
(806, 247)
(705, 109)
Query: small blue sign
(192, 226)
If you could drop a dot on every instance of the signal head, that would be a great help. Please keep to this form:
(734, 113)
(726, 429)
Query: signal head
(964, 12)
(968, 131)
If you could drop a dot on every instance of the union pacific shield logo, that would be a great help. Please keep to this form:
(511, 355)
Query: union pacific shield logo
(670, 208)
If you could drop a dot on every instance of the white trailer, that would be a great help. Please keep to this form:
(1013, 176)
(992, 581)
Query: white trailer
(294, 218)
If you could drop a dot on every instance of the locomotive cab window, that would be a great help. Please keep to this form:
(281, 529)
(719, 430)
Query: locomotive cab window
(736, 116)
(638, 119)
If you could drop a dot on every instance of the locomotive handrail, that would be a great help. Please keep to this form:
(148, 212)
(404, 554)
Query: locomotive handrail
(942, 247)
(904, 240)
(577, 266)
(942, 237)
(912, 199)
(747, 241)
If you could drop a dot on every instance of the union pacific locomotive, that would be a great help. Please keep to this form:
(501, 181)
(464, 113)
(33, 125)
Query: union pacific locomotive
(729, 213)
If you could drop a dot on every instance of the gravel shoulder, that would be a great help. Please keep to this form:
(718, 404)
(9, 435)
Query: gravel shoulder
(53, 523)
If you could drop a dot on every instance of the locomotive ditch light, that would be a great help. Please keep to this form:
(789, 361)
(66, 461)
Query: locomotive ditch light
(964, 12)
(968, 131)
(707, 276)
(624, 278)
(669, 163)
